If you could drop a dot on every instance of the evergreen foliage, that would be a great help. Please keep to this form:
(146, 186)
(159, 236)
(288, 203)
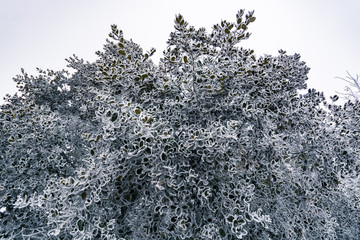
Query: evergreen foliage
(212, 143)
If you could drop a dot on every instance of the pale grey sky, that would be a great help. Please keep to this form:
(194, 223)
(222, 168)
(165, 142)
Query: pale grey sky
(42, 33)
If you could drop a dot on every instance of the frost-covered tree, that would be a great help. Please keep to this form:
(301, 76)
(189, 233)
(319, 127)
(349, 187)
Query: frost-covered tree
(212, 143)
(352, 90)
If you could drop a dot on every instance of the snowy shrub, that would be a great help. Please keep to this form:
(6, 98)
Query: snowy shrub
(212, 143)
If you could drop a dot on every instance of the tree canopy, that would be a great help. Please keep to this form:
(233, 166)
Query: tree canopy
(213, 142)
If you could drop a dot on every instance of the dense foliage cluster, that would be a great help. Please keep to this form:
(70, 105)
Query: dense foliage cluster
(212, 143)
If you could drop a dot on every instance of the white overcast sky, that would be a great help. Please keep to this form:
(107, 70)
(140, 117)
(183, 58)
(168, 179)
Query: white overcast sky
(42, 33)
